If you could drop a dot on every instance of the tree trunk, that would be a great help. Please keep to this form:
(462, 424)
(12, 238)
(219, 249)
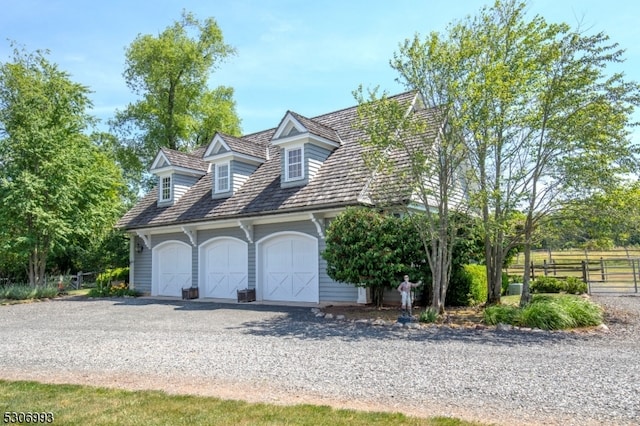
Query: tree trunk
(377, 295)
(494, 274)
(525, 297)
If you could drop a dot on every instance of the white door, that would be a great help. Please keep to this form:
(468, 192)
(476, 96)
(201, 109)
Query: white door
(290, 268)
(224, 268)
(172, 268)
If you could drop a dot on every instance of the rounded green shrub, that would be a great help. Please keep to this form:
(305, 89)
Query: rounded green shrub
(468, 286)
(546, 285)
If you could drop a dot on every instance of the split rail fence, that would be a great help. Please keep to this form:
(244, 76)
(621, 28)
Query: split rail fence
(616, 271)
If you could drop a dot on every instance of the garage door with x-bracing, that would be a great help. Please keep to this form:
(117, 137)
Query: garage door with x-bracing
(172, 268)
(290, 268)
(225, 268)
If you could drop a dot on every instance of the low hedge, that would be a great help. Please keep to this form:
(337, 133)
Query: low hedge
(571, 285)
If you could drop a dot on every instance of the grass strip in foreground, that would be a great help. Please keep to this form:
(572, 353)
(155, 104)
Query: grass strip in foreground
(87, 405)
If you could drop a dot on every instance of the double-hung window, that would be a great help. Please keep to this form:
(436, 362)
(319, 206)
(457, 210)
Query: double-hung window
(293, 164)
(222, 177)
(165, 188)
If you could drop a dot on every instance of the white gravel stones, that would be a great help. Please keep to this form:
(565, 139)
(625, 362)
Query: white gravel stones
(507, 377)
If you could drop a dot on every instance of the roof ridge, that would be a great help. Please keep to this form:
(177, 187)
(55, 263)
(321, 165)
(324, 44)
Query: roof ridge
(397, 95)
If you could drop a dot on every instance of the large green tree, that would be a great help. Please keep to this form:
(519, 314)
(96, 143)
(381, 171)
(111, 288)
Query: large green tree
(56, 187)
(542, 121)
(600, 221)
(170, 73)
(426, 155)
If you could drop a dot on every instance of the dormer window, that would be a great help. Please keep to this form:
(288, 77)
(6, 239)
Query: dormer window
(177, 172)
(293, 163)
(165, 188)
(222, 183)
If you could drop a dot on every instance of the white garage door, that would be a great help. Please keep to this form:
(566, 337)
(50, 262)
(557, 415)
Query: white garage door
(172, 268)
(290, 268)
(224, 268)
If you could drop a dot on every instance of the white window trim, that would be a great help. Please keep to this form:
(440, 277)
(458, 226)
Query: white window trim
(216, 186)
(288, 178)
(162, 187)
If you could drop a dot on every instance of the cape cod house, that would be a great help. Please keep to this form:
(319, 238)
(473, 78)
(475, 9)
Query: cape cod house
(251, 211)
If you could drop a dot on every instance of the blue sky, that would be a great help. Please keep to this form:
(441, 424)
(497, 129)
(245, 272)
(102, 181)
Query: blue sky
(302, 56)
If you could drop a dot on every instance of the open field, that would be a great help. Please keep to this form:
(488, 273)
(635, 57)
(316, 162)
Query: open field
(611, 271)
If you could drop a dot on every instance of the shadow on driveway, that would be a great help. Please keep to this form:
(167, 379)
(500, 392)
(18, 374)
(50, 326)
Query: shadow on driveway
(296, 322)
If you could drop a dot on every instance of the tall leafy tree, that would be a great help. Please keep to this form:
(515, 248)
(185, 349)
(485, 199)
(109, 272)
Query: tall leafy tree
(170, 73)
(605, 219)
(56, 187)
(542, 121)
(427, 156)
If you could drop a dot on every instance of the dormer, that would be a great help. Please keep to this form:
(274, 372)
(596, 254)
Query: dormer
(177, 172)
(232, 161)
(304, 146)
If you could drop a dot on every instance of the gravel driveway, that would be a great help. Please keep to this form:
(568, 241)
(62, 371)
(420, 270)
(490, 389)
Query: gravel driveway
(288, 355)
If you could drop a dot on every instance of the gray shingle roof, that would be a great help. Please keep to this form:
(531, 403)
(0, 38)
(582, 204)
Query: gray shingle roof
(245, 146)
(191, 161)
(317, 128)
(341, 180)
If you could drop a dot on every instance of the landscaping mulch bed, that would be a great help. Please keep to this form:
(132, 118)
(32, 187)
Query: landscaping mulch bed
(454, 316)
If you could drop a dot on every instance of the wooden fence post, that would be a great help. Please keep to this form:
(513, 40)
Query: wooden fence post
(635, 277)
(545, 268)
(533, 274)
(602, 273)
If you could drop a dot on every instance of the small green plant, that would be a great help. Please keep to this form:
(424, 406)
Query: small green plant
(501, 314)
(574, 285)
(546, 285)
(113, 283)
(116, 290)
(429, 315)
(110, 275)
(547, 312)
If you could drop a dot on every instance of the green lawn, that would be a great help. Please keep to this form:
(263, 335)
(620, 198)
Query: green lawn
(86, 405)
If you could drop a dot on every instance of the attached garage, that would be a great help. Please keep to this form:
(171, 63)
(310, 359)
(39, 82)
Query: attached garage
(223, 267)
(171, 268)
(288, 268)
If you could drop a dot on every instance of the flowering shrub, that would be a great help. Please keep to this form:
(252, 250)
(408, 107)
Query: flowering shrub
(120, 289)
